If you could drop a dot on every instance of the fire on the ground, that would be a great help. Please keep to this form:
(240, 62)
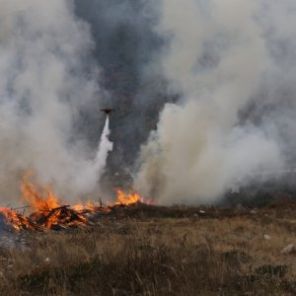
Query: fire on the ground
(48, 212)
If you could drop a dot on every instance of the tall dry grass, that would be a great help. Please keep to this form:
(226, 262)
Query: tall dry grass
(155, 257)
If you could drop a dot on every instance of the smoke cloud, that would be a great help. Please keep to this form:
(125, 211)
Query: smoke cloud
(46, 89)
(221, 71)
(125, 46)
(232, 63)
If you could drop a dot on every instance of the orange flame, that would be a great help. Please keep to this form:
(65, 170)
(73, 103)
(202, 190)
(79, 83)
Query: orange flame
(10, 216)
(89, 206)
(17, 221)
(127, 198)
(50, 213)
(41, 202)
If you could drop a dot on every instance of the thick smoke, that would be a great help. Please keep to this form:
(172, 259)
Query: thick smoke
(233, 64)
(46, 89)
(125, 46)
(229, 64)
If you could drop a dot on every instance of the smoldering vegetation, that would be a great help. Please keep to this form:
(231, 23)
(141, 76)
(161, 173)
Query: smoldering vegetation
(234, 121)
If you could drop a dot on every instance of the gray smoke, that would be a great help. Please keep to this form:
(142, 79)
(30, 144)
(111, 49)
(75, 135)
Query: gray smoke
(225, 68)
(125, 46)
(46, 89)
(232, 62)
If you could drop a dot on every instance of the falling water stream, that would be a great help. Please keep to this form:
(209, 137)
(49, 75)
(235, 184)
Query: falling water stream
(105, 146)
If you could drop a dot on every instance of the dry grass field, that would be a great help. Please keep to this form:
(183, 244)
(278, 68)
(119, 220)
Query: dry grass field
(177, 251)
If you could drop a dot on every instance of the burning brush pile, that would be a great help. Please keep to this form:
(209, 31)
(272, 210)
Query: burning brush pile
(48, 212)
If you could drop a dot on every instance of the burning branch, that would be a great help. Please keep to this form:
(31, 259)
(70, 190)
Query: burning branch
(49, 213)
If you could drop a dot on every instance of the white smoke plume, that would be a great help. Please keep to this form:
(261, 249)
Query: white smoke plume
(232, 62)
(95, 169)
(45, 83)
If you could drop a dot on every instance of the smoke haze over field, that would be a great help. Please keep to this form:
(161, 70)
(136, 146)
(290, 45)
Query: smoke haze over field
(45, 87)
(211, 81)
(233, 64)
